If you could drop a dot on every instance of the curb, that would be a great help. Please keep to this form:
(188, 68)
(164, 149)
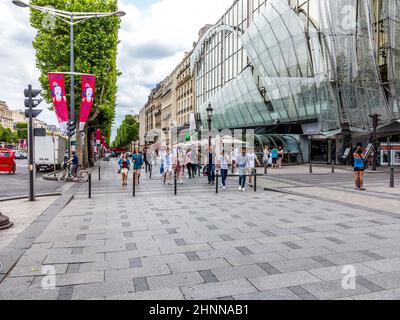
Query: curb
(54, 194)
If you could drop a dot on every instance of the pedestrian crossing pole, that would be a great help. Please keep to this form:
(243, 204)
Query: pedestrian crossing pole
(391, 177)
(175, 184)
(255, 180)
(134, 183)
(216, 182)
(90, 185)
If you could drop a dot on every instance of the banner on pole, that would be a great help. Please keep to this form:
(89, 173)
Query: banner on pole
(57, 87)
(88, 89)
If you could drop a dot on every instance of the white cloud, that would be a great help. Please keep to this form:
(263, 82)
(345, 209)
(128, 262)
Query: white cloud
(153, 42)
(153, 38)
(17, 58)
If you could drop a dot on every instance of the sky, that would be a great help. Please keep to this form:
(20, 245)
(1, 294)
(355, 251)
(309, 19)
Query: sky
(154, 36)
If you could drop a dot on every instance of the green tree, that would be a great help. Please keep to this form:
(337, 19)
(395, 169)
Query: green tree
(95, 49)
(127, 132)
(7, 135)
(22, 130)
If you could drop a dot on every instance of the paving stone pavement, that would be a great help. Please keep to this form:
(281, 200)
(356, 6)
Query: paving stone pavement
(200, 245)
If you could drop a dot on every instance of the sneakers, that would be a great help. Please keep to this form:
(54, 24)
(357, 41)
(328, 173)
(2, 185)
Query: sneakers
(243, 189)
(223, 188)
(240, 188)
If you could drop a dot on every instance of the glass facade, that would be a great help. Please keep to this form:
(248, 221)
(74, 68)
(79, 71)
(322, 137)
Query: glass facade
(287, 61)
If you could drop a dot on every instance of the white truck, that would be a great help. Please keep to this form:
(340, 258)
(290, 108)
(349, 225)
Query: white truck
(49, 151)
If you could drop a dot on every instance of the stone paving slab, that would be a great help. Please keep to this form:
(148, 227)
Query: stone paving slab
(199, 245)
(217, 290)
(283, 280)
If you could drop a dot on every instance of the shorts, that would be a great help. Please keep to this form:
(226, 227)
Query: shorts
(274, 160)
(359, 169)
(124, 171)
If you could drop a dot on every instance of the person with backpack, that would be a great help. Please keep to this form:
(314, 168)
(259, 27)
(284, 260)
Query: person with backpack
(124, 168)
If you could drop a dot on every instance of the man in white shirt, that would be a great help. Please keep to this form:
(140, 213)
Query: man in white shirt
(251, 165)
(222, 163)
(241, 162)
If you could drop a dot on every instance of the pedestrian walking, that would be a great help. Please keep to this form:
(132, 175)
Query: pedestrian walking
(179, 164)
(194, 161)
(275, 156)
(188, 164)
(210, 164)
(146, 162)
(266, 156)
(241, 162)
(162, 155)
(251, 165)
(168, 161)
(281, 154)
(223, 161)
(359, 167)
(124, 168)
(138, 162)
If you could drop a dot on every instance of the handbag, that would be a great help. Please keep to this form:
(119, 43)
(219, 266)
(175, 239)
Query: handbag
(119, 171)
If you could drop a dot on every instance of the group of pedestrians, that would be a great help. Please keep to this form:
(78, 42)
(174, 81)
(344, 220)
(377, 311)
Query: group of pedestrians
(244, 163)
(126, 164)
(273, 157)
(179, 161)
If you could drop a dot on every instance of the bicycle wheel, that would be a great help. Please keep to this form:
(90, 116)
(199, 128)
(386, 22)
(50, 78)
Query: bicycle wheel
(62, 176)
(83, 176)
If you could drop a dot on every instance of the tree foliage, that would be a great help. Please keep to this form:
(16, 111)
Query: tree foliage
(95, 47)
(7, 135)
(22, 130)
(127, 132)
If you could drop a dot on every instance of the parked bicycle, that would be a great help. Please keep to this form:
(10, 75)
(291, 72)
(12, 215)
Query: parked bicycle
(65, 175)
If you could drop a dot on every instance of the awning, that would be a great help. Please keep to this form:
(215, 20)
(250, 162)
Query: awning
(311, 129)
(332, 133)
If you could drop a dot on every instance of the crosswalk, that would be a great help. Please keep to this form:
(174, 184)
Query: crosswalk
(110, 185)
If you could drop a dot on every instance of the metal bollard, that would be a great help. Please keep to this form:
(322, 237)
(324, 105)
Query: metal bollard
(255, 180)
(216, 182)
(151, 170)
(175, 184)
(266, 169)
(333, 166)
(311, 168)
(134, 183)
(391, 177)
(99, 173)
(90, 185)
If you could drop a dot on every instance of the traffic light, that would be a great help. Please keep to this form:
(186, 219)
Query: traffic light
(71, 128)
(31, 103)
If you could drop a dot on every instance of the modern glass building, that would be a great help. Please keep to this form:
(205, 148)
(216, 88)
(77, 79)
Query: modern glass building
(314, 69)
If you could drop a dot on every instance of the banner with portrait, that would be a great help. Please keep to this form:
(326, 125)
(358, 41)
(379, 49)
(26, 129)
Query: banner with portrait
(88, 89)
(59, 97)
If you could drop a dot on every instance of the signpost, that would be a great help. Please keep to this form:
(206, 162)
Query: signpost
(31, 103)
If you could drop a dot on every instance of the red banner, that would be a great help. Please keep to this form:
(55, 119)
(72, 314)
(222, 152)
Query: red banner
(88, 88)
(98, 136)
(57, 87)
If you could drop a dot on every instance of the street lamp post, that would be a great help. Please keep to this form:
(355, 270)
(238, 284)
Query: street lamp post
(71, 18)
(209, 120)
